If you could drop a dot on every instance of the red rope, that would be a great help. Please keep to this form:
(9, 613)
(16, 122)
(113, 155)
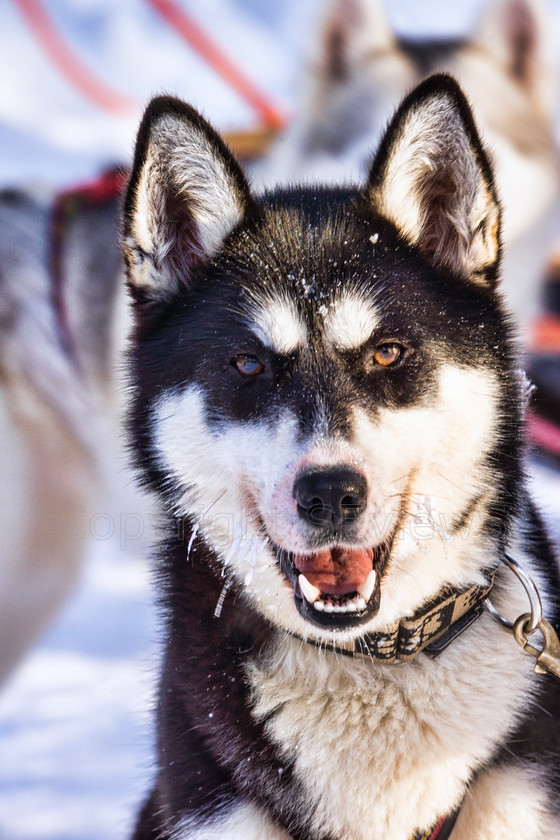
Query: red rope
(194, 35)
(67, 62)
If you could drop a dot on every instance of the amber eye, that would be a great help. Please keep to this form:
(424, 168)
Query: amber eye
(388, 354)
(247, 365)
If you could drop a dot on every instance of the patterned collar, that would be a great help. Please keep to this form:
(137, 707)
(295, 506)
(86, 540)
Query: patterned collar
(430, 630)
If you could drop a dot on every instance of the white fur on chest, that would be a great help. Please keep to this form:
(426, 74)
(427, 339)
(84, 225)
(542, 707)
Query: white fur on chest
(384, 750)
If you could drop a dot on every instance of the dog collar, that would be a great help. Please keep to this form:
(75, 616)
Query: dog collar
(430, 630)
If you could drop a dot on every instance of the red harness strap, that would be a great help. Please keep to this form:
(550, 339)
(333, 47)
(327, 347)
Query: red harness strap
(441, 830)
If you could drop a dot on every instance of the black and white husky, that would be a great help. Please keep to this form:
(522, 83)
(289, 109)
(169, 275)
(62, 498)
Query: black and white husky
(326, 397)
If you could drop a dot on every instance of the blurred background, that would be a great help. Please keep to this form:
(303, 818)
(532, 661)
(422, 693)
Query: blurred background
(78, 630)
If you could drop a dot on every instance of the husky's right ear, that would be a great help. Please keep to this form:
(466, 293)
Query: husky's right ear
(431, 178)
(185, 195)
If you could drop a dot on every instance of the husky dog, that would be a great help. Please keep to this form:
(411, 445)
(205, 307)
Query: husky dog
(55, 387)
(358, 72)
(327, 400)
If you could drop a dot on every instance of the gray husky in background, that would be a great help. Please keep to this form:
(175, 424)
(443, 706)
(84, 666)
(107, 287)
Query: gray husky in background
(56, 401)
(358, 71)
(326, 398)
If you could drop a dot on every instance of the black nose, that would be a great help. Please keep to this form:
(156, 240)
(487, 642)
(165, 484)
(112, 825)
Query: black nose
(330, 498)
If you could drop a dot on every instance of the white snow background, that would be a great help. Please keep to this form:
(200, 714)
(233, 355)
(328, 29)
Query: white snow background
(75, 720)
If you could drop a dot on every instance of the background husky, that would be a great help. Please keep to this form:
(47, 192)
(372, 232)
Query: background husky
(56, 378)
(327, 399)
(359, 70)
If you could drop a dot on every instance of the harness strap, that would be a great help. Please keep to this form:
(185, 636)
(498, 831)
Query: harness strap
(441, 830)
(430, 630)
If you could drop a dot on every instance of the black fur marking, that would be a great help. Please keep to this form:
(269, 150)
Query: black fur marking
(461, 520)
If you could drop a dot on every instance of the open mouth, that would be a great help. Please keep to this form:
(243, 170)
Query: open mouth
(338, 587)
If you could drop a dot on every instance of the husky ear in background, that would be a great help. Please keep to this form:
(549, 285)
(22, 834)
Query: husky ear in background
(508, 69)
(353, 77)
(432, 179)
(520, 36)
(95, 309)
(352, 33)
(358, 70)
(186, 194)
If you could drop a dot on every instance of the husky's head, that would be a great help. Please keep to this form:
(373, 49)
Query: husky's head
(323, 378)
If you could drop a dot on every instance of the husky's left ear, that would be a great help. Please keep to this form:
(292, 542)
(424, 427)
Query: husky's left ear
(431, 178)
(186, 194)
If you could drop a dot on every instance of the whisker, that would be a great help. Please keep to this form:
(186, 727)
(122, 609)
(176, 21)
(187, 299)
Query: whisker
(445, 478)
(215, 502)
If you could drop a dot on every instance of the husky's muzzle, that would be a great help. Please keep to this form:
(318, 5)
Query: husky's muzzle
(337, 586)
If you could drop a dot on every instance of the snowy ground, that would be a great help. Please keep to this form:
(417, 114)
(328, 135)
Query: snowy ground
(75, 725)
(75, 729)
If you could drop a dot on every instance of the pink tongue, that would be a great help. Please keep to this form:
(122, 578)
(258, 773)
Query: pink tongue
(336, 572)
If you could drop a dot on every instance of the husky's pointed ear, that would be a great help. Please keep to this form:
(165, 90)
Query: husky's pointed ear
(521, 35)
(186, 194)
(350, 31)
(431, 178)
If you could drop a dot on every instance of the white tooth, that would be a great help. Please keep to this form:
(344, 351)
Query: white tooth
(329, 608)
(366, 588)
(337, 608)
(310, 592)
(319, 606)
(361, 604)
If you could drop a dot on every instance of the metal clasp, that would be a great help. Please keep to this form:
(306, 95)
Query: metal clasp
(548, 657)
